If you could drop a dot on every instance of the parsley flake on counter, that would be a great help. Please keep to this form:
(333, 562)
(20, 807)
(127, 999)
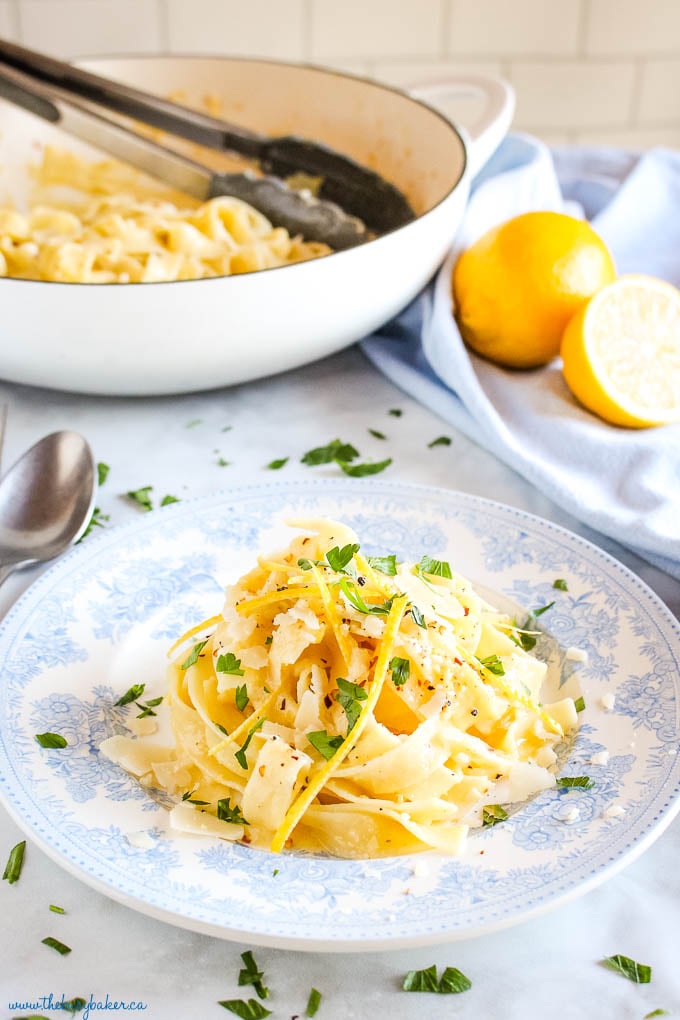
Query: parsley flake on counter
(57, 910)
(440, 441)
(132, 694)
(250, 975)
(51, 740)
(167, 500)
(451, 982)
(227, 813)
(74, 1006)
(250, 1010)
(15, 863)
(313, 1002)
(242, 698)
(401, 670)
(438, 568)
(142, 497)
(656, 1012)
(338, 559)
(542, 609)
(361, 470)
(240, 755)
(221, 462)
(385, 564)
(378, 435)
(350, 696)
(102, 472)
(95, 521)
(640, 973)
(580, 704)
(229, 664)
(62, 949)
(325, 745)
(492, 814)
(560, 584)
(335, 450)
(193, 655)
(396, 412)
(576, 782)
(493, 664)
(276, 465)
(193, 423)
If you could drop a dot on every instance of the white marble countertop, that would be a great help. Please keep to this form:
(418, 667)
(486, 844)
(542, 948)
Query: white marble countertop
(546, 966)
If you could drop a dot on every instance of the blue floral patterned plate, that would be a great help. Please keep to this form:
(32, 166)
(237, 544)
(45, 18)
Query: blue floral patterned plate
(103, 617)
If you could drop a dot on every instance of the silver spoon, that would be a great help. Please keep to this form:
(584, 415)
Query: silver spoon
(46, 501)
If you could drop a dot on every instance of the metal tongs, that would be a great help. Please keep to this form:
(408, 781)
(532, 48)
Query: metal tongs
(353, 202)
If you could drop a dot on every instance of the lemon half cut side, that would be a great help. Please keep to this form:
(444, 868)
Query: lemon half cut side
(621, 353)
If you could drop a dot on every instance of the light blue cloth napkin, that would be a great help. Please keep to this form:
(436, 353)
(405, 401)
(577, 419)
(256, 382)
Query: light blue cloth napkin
(623, 482)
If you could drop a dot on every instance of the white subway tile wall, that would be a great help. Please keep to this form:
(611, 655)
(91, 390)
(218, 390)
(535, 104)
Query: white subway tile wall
(593, 71)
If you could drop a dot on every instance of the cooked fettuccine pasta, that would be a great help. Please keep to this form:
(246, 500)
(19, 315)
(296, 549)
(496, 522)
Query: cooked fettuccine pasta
(351, 704)
(116, 226)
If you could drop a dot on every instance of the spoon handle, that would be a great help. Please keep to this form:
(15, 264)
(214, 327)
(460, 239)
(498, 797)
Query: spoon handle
(5, 570)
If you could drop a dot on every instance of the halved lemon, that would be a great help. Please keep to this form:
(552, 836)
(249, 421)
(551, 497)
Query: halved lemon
(621, 353)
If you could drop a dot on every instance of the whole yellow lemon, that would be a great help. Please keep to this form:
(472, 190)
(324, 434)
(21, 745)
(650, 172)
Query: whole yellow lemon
(517, 287)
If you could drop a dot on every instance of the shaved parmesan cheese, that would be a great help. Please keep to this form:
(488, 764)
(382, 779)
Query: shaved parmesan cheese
(187, 818)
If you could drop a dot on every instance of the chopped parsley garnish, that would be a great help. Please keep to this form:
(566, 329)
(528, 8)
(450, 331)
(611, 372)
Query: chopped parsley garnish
(355, 599)
(306, 564)
(560, 584)
(242, 698)
(542, 609)
(580, 704)
(523, 637)
(250, 1010)
(188, 796)
(193, 655)
(154, 702)
(221, 728)
(132, 694)
(56, 944)
(167, 500)
(276, 465)
(350, 696)
(51, 740)
(439, 568)
(492, 814)
(640, 973)
(227, 813)
(440, 441)
(385, 564)
(396, 412)
(145, 710)
(335, 450)
(95, 521)
(339, 558)
(240, 755)
(378, 435)
(193, 423)
(250, 975)
(313, 1002)
(102, 472)
(325, 745)
(142, 497)
(275, 872)
(418, 617)
(576, 782)
(401, 670)
(74, 1006)
(268, 640)
(493, 664)
(15, 862)
(57, 910)
(361, 470)
(229, 664)
(451, 982)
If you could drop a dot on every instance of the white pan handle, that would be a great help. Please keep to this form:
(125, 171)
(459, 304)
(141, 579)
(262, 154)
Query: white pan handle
(486, 134)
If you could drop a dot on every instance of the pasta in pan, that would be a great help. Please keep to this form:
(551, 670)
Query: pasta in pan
(120, 228)
(353, 705)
